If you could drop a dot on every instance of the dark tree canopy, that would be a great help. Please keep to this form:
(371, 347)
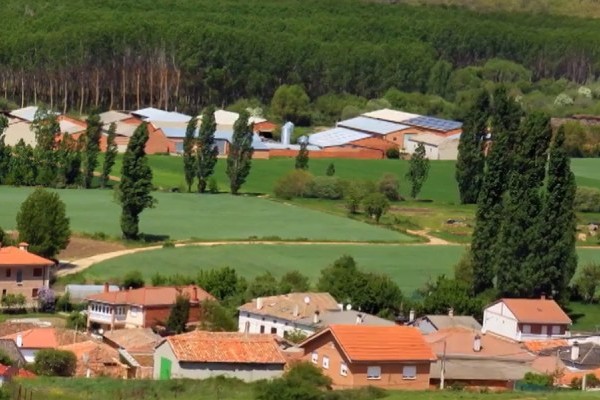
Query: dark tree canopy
(418, 170)
(189, 153)
(239, 159)
(110, 155)
(207, 150)
(91, 147)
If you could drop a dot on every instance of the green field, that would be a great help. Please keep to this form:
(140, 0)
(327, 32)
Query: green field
(409, 265)
(206, 217)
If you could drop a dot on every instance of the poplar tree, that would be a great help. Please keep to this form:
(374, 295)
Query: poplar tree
(207, 150)
(110, 155)
(91, 148)
(136, 183)
(69, 161)
(46, 128)
(418, 170)
(302, 156)
(470, 163)
(239, 159)
(5, 151)
(189, 158)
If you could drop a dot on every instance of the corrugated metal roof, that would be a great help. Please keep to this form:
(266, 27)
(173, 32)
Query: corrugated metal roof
(437, 124)
(428, 138)
(228, 118)
(257, 143)
(283, 146)
(336, 137)
(365, 124)
(26, 113)
(109, 117)
(387, 114)
(70, 127)
(155, 114)
(172, 132)
(80, 292)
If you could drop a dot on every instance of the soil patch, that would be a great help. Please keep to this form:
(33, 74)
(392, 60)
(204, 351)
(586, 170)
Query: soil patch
(81, 247)
(412, 210)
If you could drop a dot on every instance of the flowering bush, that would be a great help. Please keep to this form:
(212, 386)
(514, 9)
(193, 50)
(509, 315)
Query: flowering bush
(46, 300)
(563, 99)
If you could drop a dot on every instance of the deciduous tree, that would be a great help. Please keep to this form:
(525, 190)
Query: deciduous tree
(179, 314)
(91, 148)
(53, 362)
(290, 103)
(110, 156)
(418, 170)
(190, 162)
(207, 150)
(302, 156)
(376, 205)
(239, 159)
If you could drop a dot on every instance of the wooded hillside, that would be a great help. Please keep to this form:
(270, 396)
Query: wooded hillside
(73, 54)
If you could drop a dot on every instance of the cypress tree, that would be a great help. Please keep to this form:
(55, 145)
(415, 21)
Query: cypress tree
(418, 170)
(207, 151)
(189, 158)
(471, 163)
(5, 151)
(91, 148)
(110, 155)
(22, 167)
(179, 314)
(302, 156)
(559, 258)
(46, 128)
(136, 183)
(239, 159)
(69, 161)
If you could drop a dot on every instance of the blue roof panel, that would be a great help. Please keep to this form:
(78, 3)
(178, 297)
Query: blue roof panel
(371, 125)
(437, 124)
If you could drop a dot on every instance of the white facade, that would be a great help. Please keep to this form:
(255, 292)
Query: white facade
(436, 147)
(254, 323)
(498, 319)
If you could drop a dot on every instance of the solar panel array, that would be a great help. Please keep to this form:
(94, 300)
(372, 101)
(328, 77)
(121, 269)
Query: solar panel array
(371, 125)
(437, 124)
(336, 137)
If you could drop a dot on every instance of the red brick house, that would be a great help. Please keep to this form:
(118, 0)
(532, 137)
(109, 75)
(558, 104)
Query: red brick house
(141, 308)
(390, 357)
(22, 272)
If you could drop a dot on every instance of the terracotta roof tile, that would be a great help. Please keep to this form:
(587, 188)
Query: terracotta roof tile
(535, 346)
(96, 351)
(11, 255)
(537, 311)
(23, 373)
(43, 338)
(226, 347)
(380, 343)
(284, 306)
(151, 296)
(135, 340)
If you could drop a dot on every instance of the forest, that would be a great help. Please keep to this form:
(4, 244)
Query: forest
(184, 54)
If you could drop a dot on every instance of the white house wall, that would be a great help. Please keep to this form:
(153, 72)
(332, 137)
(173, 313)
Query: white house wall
(281, 325)
(500, 320)
(448, 150)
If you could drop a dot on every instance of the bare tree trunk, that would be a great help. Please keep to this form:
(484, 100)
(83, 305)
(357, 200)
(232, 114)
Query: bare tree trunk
(151, 85)
(97, 100)
(166, 88)
(51, 93)
(66, 99)
(81, 95)
(123, 84)
(34, 89)
(178, 81)
(22, 89)
(137, 87)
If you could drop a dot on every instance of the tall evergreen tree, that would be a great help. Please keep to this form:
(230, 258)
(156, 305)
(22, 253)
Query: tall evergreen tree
(520, 234)
(418, 170)
(189, 158)
(22, 169)
(46, 128)
(110, 155)
(69, 161)
(5, 151)
(470, 164)
(207, 150)
(239, 159)
(302, 156)
(136, 183)
(558, 256)
(91, 149)
(179, 315)
(506, 115)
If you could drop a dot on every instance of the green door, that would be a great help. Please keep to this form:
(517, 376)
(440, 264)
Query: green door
(165, 368)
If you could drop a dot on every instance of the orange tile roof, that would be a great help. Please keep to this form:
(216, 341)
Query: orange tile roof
(283, 306)
(97, 352)
(150, 296)
(11, 255)
(37, 338)
(226, 347)
(380, 343)
(135, 340)
(23, 373)
(537, 311)
(459, 343)
(535, 346)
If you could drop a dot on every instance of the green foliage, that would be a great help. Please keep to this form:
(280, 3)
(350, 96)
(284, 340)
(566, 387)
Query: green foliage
(179, 315)
(446, 293)
(216, 318)
(355, 193)
(136, 183)
(133, 280)
(222, 283)
(77, 320)
(291, 103)
(325, 187)
(68, 162)
(22, 168)
(42, 222)
(463, 270)
(375, 205)
(207, 151)
(213, 185)
(389, 186)
(91, 147)
(110, 155)
(5, 153)
(63, 303)
(303, 381)
(52, 362)
(263, 285)
(588, 282)
(239, 159)
(302, 156)
(331, 106)
(439, 77)
(330, 170)
(5, 359)
(293, 184)
(544, 380)
(189, 156)
(503, 71)
(418, 170)
(13, 302)
(587, 199)
(295, 336)
(392, 153)
(294, 281)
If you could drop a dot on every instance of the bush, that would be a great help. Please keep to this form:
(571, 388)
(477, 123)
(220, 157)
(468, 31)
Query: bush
(46, 300)
(375, 206)
(77, 320)
(543, 380)
(64, 303)
(133, 280)
(325, 187)
(587, 199)
(51, 362)
(293, 184)
(392, 153)
(213, 185)
(389, 186)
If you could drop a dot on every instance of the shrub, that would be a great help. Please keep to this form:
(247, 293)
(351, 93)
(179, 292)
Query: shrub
(46, 300)
(51, 362)
(392, 153)
(543, 380)
(376, 206)
(77, 320)
(325, 187)
(389, 186)
(5, 359)
(213, 185)
(587, 199)
(133, 280)
(168, 244)
(293, 184)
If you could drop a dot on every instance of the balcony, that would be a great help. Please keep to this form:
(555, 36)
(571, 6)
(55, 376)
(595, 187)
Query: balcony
(104, 318)
(523, 337)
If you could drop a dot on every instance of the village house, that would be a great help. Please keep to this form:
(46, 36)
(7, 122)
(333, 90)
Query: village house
(95, 359)
(436, 147)
(29, 342)
(526, 319)
(201, 355)
(136, 348)
(141, 308)
(389, 357)
(433, 323)
(22, 272)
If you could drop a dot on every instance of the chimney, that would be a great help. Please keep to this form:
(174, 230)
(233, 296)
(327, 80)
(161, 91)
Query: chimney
(24, 246)
(575, 351)
(359, 319)
(19, 341)
(543, 296)
(316, 319)
(411, 315)
(106, 287)
(259, 303)
(194, 294)
(296, 310)
(477, 343)
(451, 312)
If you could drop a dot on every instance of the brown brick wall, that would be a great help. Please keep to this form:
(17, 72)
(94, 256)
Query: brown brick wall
(29, 282)
(160, 315)
(333, 152)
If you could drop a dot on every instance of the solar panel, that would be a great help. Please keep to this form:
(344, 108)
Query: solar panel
(434, 123)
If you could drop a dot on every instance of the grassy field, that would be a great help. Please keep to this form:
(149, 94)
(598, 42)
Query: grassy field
(409, 265)
(207, 217)
(586, 317)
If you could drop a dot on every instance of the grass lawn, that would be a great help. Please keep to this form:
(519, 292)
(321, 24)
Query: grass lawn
(586, 317)
(410, 266)
(206, 217)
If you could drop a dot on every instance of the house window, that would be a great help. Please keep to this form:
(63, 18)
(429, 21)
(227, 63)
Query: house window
(3, 292)
(373, 372)
(19, 277)
(314, 357)
(526, 329)
(409, 372)
(343, 369)
(274, 331)
(8, 272)
(34, 293)
(556, 329)
(262, 329)
(37, 272)
(325, 362)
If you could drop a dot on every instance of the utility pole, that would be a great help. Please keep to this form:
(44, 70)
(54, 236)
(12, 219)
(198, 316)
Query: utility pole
(443, 368)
